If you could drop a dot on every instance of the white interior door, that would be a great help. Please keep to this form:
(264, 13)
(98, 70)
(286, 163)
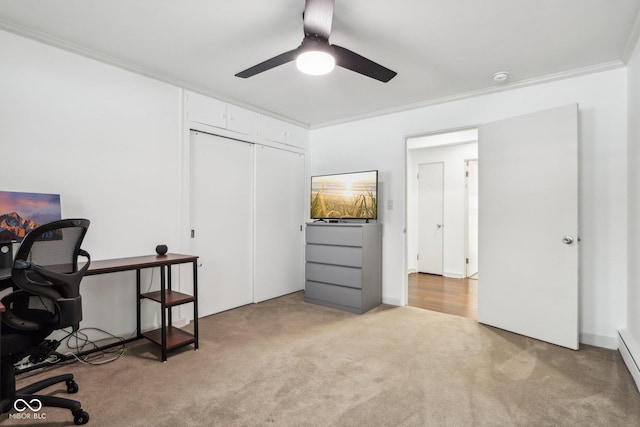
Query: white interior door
(472, 218)
(430, 212)
(279, 239)
(528, 221)
(222, 221)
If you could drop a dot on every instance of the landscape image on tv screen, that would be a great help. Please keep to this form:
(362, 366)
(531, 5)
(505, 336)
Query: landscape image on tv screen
(22, 212)
(349, 195)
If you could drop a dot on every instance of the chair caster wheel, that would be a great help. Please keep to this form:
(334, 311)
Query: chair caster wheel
(72, 386)
(80, 417)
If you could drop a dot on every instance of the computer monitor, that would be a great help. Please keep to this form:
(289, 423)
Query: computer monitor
(22, 212)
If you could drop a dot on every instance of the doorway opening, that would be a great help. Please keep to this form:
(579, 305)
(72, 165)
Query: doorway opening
(442, 222)
(458, 297)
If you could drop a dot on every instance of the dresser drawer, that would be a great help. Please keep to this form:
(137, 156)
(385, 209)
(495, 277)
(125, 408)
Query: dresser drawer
(338, 255)
(334, 274)
(334, 235)
(333, 294)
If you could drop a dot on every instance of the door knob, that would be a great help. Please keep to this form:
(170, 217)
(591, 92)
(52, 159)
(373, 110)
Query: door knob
(567, 239)
(438, 226)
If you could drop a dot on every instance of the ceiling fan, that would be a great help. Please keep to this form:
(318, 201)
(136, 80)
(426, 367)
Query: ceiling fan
(315, 55)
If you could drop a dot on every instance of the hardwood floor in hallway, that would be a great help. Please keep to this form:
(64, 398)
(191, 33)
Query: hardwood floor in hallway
(444, 294)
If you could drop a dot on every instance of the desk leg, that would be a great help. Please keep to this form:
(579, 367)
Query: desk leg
(138, 331)
(163, 315)
(169, 310)
(195, 303)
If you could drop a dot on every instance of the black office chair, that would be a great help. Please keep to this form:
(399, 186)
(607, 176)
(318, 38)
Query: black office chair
(46, 281)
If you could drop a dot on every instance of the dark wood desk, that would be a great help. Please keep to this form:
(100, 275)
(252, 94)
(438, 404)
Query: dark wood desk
(167, 336)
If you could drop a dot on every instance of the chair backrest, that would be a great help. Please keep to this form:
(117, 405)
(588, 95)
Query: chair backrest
(46, 265)
(54, 244)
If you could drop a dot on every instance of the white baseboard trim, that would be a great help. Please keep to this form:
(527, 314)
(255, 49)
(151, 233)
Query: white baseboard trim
(630, 352)
(392, 301)
(453, 275)
(599, 341)
(445, 274)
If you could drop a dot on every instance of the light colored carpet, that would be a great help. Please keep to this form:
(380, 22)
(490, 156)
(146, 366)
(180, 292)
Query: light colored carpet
(287, 363)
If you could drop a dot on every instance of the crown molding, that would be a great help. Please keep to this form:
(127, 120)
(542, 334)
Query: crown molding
(57, 42)
(612, 65)
(132, 67)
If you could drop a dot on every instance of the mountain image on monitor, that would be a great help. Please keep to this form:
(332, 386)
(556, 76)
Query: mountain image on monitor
(13, 227)
(22, 212)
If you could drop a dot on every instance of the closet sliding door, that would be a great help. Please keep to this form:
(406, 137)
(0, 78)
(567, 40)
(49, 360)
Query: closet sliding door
(247, 209)
(279, 241)
(221, 206)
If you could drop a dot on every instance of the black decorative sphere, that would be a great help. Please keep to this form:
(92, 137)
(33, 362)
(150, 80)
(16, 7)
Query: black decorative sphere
(161, 249)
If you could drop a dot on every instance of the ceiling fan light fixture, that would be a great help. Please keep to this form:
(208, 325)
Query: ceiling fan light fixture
(315, 55)
(315, 62)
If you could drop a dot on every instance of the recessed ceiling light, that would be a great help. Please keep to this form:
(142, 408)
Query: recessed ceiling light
(500, 76)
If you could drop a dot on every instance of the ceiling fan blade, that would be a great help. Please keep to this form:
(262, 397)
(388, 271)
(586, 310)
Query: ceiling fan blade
(269, 64)
(354, 62)
(318, 16)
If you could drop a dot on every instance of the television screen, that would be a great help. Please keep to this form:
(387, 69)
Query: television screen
(345, 196)
(22, 212)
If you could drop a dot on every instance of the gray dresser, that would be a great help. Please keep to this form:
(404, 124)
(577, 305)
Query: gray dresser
(344, 265)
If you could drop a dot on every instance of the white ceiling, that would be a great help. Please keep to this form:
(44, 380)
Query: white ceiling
(441, 49)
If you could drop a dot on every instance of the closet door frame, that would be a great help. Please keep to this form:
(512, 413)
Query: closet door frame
(183, 316)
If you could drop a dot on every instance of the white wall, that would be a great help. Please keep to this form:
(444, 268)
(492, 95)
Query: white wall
(631, 334)
(454, 215)
(378, 143)
(107, 141)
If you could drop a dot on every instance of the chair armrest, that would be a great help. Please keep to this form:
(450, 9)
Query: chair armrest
(67, 283)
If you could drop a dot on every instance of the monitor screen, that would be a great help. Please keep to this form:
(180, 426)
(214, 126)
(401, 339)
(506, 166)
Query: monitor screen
(345, 196)
(22, 212)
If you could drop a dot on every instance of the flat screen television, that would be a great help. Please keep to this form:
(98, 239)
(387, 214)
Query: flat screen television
(22, 212)
(345, 196)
